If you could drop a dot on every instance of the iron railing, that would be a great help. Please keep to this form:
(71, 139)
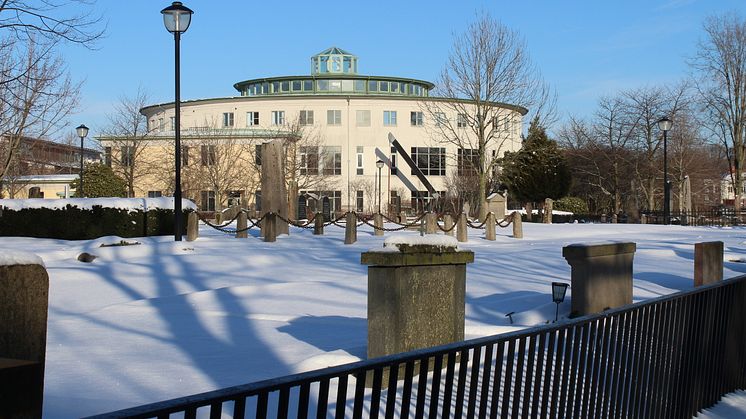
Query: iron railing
(713, 217)
(667, 357)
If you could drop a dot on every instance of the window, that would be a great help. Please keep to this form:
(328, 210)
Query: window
(389, 118)
(430, 160)
(128, 156)
(208, 155)
(468, 161)
(155, 194)
(422, 200)
(252, 118)
(227, 119)
(372, 86)
(359, 160)
(278, 117)
(416, 118)
(305, 118)
(392, 168)
(363, 118)
(309, 161)
(308, 85)
(359, 201)
(207, 200)
(173, 123)
(185, 155)
(161, 124)
(440, 119)
(461, 121)
(234, 198)
(107, 156)
(506, 124)
(333, 117)
(332, 160)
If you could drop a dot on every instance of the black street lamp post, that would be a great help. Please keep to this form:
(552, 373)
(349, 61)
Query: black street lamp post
(177, 17)
(665, 125)
(558, 295)
(379, 165)
(82, 131)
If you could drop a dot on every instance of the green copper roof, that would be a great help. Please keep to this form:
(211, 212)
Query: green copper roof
(334, 50)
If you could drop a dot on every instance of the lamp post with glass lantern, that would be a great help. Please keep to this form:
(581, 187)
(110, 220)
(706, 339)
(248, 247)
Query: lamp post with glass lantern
(177, 18)
(665, 125)
(558, 295)
(379, 165)
(82, 131)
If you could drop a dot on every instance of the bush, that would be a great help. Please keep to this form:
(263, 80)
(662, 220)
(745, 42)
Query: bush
(73, 223)
(571, 204)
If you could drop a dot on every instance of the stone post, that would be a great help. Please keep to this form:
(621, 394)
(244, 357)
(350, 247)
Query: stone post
(643, 219)
(293, 200)
(517, 225)
(24, 300)
(708, 263)
(269, 227)
(461, 234)
(318, 224)
(378, 223)
(350, 228)
(614, 218)
(402, 218)
(274, 194)
(415, 294)
(601, 276)
(548, 208)
(431, 223)
(192, 226)
(218, 217)
(241, 224)
(489, 225)
(447, 224)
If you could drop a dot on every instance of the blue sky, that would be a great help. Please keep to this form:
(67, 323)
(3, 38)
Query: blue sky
(585, 49)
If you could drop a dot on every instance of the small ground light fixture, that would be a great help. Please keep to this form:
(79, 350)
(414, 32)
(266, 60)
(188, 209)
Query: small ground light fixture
(559, 289)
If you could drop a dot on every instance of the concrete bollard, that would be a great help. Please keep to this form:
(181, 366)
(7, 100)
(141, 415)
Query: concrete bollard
(378, 223)
(601, 276)
(548, 209)
(241, 224)
(218, 217)
(318, 224)
(192, 226)
(461, 226)
(350, 228)
(415, 294)
(614, 218)
(448, 224)
(431, 223)
(708, 263)
(489, 225)
(517, 225)
(24, 300)
(269, 227)
(643, 219)
(402, 217)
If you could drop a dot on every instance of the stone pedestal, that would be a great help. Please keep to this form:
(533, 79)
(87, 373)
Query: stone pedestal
(269, 227)
(350, 228)
(517, 226)
(548, 208)
(601, 276)
(448, 224)
(461, 226)
(431, 223)
(24, 299)
(274, 193)
(192, 226)
(708, 263)
(241, 224)
(415, 295)
(489, 225)
(378, 223)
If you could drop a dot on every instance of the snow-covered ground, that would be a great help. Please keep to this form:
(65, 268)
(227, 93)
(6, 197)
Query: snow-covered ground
(158, 320)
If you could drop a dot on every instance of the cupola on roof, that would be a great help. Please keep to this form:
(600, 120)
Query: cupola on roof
(334, 61)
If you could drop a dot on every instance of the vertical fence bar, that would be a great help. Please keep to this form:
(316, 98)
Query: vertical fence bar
(498, 398)
(261, 405)
(239, 408)
(536, 395)
(566, 370)
(391, 392)
(357, 404)
(303, 398)
(589, 382)
(684, 376)
(435, 392)
(643, 360)
(602, 364)
(342, 396)
(463, 365)
(375, 397)
(448, 390)
(474, 382)
(486, 370)
(575, 368)
(557, 372)
(529, 388)
(419, 411)
(549, 375)
(518, 387)
(406, 395)
(660, 360)
(323, 402)
(282, 403)
(510, 360)
(623, 353)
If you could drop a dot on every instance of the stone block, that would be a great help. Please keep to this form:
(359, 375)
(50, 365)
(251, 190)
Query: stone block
(431, 223)
(318, 224)
(708, 263)
(24, 299)
(415, 298)
(269, 227)
(378, 223)
(192, 226)
(490, 233)
(601, 276)
(350, 228)
(242, 223)
(461, 228)
(448, 224)
(517, 226)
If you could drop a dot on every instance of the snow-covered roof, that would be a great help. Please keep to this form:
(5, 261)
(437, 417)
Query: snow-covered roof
(46, 178)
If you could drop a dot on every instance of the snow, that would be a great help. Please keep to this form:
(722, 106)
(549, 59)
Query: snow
(732, 405)
(163, 319)
(438, 240)
(131, 204)
(13, 257)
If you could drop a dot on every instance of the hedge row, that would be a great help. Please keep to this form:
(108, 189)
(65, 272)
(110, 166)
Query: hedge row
(73, 223)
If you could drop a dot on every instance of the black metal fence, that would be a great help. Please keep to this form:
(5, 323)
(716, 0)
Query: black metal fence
(712, 217)
(667, 357)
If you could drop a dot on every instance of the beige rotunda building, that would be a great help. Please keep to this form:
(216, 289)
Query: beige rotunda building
(337, 125)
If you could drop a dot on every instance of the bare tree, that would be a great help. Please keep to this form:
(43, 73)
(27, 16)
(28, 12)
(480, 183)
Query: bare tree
(50, 21)
(488, 67)
(721, 66)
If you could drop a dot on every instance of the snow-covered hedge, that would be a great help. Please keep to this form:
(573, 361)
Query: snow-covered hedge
(88, 218)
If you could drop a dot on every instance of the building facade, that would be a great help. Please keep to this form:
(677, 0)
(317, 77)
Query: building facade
(337, 123)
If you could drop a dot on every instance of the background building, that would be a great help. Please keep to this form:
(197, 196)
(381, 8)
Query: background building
(336, 123)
